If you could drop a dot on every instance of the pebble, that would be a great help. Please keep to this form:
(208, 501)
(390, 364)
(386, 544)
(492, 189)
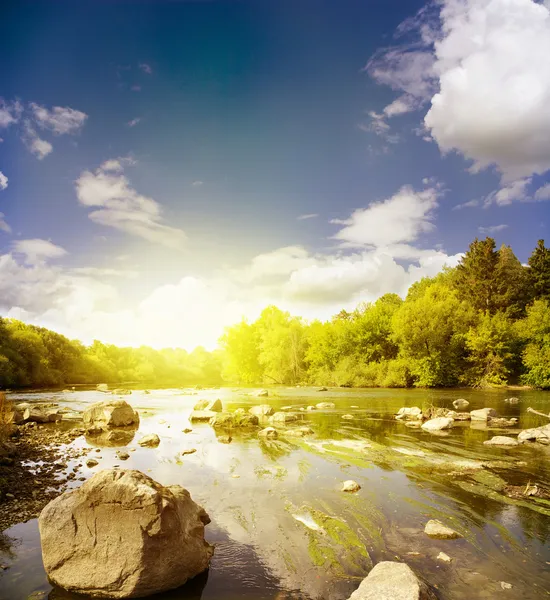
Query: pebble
(506, 586)
(350, 486)
(444, 557)
(190, 451)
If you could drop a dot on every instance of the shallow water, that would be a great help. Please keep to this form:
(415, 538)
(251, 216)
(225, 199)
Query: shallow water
(282, 527)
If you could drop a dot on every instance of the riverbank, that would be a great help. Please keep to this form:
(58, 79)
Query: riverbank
(32, 470)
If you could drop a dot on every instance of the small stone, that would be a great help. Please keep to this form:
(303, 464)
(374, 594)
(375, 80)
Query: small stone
(461, 404)
(483, 414)
(235, 476)
(10, 496)
(150, 441)
(436, 529)
(187, 430)
(323, 389)
(225, 439)
(323, 405)
(92, 462)
(444, 557)
(438, 424)
(121, 455)
(269, 432)
(348, 417)
(190, 451)
(501, 440)
(506, 586)
(350, 486)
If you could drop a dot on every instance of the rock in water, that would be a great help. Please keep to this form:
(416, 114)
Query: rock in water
(212, 405)
(501, 440)
(111, 413)
(324, 405)
(537, 434)
(262, 410)
(123, 535)
(409, 413)
(269, 432)
(350, 486)
(461, 404)
(483, 414)
(436, 529)
(151, 440)
(392, 581)
(438, 424)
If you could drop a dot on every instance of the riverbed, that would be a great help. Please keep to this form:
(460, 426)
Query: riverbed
(281, 526)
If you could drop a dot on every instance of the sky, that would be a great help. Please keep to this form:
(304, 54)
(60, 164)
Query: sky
(167, 168)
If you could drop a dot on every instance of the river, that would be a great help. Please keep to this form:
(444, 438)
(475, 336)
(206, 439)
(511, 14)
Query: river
(282, 527)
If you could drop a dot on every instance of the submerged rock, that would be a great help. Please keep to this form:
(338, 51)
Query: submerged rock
(436, 529)
(299, 431)
(502, 422)
(212, 405)
(262, 394)
(412, 413)
(322, 405)
(151, 440)
(122, 392)
(229, 420)
(392, 581)
(39, 414)
(261, 410)
(269, 432)
(537, 434)
(461, 404)
(501, 440)
(350, 486)
(108, 414)
(512, 400)
(444, 557)
(438, 424)
(123, 535)
(348, 417)
(322, 389)
(483, 414)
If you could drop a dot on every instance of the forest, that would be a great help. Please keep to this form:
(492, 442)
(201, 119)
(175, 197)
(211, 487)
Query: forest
(483, 323)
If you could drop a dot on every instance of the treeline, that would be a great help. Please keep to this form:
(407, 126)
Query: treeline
(37, 357)
(484, 323)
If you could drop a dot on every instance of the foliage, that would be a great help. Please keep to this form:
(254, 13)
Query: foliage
(539, 271)
(535, 332)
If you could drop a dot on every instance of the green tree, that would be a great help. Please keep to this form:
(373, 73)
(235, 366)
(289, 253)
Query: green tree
(539, 271)
(241, 345)
(511, 284)
(535, 332)
(475, 275)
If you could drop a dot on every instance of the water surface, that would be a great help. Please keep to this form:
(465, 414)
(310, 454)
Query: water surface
(282, 527)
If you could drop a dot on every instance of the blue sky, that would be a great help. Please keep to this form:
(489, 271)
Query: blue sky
(157, 157)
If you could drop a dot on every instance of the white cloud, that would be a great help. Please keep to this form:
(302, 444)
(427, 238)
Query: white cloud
(511, 192)
(60, 120)
(146, 68)
(39, 147)
(37, 250)
(105, 272)
(401, 218)
(3, 181)
(122, 207)
(10, 113)
(308, 216)
(493, 65)
(469, 204)
(197, 183)
(133, 122)
(402, 105)
(543, 193)
(492, 229)
(3, 225)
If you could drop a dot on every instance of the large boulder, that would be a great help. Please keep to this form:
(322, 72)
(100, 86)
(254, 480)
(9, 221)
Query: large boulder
(438, 424)
(39, 414)
(110, 414)
(261, 410)
(537, 434)
(483, 414)
(212, 405)
(123, 535)
(102, 387)
(409, 413)
(392, 581)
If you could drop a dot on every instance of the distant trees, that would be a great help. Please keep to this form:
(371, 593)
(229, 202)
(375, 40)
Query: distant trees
(484, 323)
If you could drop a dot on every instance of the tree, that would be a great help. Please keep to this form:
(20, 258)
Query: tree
(539, 271)
(535, 332)
(475, 275)
(511, 284)
(241, 345)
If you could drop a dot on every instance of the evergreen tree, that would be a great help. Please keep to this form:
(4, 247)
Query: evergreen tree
(511, 283)
(539, 272)
(475, 276)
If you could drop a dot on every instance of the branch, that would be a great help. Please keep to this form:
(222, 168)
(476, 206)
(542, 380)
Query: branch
(536, 412)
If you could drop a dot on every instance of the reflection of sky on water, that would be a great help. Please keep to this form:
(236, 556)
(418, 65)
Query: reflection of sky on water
(252, 488)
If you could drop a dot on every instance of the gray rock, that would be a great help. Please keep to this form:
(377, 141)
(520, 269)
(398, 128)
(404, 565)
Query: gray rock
(151, 440)
(436, 529)
(536, 434)
(461, 404)
(269, 432)
(299, 431)
(392, 581)
(283, 417)
(483, 414)
(501, 440)
(123, 535)
(325, 405)
(438, 424)
(212, 405)
(261, 410)
(409, 413)
(202, 415)
(350, 486)
(109, 414)
(38, 414)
